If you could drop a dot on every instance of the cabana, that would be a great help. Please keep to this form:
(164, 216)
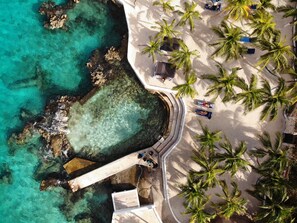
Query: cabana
(170, 44)
(164, 71)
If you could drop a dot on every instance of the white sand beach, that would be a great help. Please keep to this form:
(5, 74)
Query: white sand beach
(230, 118)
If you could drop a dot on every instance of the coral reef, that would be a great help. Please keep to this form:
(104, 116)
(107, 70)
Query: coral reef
(102, 68)
(56, 15)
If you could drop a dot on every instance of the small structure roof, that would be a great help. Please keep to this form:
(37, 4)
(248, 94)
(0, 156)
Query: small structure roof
(125, 199)
(127, 209)
(142, 214)
(164, 70)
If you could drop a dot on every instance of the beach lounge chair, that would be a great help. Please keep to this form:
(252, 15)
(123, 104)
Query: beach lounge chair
(213, 7)
(253, 7)
(246, 39)
(164, 71)
(204, 113)
(203, 103)
(248, 51)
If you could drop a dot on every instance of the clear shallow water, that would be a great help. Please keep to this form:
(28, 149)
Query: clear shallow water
(36, 64)
(122, 117)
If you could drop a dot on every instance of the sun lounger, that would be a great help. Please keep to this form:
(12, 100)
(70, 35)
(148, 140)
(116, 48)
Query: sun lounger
(253, 7)
(204, 103)
(246, 39)
(213, 7)
(248, 50)
(204, 113)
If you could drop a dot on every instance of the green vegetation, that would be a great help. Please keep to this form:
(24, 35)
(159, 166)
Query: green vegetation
(223, 83)
(232, 157)
(251, 95)
(232, 202)
(189, 15)
(274, 99)
(263, 25)
(166, 5)
(228, 45)
(182, 58)
(278, 54)
(238, 9)
(217, 157)
(152, 48)
(187, 89)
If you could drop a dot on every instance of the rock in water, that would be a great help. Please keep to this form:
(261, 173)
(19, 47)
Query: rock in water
(5, 174)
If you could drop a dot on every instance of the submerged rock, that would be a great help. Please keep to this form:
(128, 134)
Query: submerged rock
(56, 15)
(52, 182)
(5, 174)
(23, 137)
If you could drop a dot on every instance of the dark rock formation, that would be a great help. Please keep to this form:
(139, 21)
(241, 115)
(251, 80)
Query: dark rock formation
(52, 182)
(5, 174)
(53, 126)
(102, 68)
(56, 15)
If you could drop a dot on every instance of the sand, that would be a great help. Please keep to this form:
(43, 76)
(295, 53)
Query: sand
(230, 118)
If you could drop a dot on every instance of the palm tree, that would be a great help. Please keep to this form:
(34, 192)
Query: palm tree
(166, 5)
(194, 193)
(187, 89)
(189, 15)
(265, 4)
(166, 30)
(208, 139)
(199, 214)
(233, 157)
(274, 99)
(251, 96)
(181, 58)
(228, 45)
(289, 11)
(238, 9)
(263, 25)
(152, 48)
(274, 208)
(232, 202)
(210, 170)
(278, 53)
(223, 83)
(275, 153)
(292, 88)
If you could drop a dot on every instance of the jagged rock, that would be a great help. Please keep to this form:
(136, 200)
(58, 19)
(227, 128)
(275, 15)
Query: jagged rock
(56, 144)
(56, 22)
(56, 15)
(51, 182)
(112, 55)
(77, 164)
(23, 137)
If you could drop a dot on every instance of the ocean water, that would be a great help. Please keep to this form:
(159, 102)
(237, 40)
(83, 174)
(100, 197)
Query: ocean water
(35, 65)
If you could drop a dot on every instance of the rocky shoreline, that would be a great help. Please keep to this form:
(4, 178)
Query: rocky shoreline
(52, 126)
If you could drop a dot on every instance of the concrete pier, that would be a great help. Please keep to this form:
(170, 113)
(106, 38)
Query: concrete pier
(112, 168)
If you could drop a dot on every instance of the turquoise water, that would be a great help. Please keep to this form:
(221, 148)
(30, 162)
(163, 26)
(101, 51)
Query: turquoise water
(121, 118)
(37, 64)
